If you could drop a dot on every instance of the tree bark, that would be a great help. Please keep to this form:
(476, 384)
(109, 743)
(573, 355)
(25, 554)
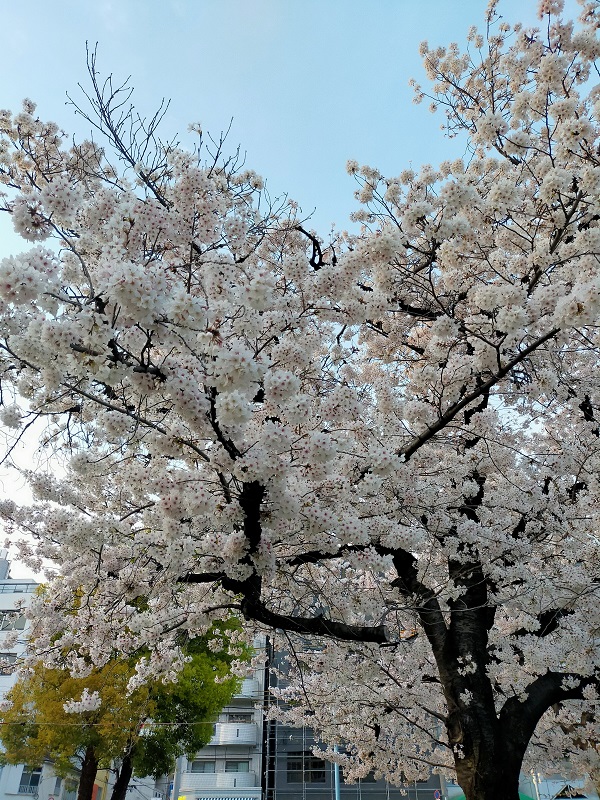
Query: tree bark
(120, 788)
(489, 770)
(494, 786)
(89, 769)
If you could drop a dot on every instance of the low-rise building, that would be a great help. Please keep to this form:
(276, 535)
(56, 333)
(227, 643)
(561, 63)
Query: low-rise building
(253, 758)
(19, 780)
(230, 767)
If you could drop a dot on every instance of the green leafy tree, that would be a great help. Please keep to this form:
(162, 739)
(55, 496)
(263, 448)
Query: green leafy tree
(94, 721)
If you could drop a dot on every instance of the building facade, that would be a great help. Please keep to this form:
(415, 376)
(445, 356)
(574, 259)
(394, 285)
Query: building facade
(251, 757)
(230, 767)
(296, 773)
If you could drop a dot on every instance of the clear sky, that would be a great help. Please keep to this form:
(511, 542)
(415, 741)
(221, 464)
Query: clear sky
(308, 83)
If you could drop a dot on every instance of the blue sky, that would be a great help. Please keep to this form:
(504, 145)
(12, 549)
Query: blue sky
(308, 83)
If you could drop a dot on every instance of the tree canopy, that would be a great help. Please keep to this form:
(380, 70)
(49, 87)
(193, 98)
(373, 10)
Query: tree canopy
(37, 723)
(388, 439)
(98, 719)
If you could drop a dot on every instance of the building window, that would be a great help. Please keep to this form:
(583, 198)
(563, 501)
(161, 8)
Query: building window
(304, 767)
(202, 766)
(11, 588)
(569, 791)
(370, 778)
(70, 790)
(57, 787)
(30, 780)
(239, 717)
(7, 662)
(237, 766)
(11, 621)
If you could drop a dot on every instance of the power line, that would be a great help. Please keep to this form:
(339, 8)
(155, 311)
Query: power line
(144, 725)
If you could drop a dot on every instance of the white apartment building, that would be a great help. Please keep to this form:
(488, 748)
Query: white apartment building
(250, 758)
(18, 781)
(230, 766)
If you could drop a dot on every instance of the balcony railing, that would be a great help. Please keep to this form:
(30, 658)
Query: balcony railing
(249, 688)
(26, 789)
(217, 780)
(243, 733)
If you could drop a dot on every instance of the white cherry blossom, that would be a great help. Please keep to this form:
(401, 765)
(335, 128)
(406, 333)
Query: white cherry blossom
(386, 445)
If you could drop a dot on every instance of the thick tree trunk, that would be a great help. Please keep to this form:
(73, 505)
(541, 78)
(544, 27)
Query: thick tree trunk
(89, 769)
(488, 757)
(120, 788)
(488, 777)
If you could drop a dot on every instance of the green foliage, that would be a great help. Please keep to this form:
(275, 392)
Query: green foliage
(184, 711)
(152, 725)
(36, 726)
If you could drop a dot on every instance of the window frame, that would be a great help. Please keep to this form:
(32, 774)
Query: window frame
(243, 761)
(243, 717)
(12, 619)
(29, 787)
(204, 762)
(303, 766)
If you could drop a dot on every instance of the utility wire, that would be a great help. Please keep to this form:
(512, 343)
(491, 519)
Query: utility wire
(111, 725)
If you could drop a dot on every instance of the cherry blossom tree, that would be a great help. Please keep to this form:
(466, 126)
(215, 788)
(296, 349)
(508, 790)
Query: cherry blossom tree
(384, 445)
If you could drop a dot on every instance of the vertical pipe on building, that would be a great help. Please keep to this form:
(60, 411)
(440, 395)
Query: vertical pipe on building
(535, 780)
(336, 775)
(269, 732)
(177, 778)
(265, 730)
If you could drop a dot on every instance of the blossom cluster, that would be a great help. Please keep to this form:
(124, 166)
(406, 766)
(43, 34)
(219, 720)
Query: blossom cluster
(89, 701)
